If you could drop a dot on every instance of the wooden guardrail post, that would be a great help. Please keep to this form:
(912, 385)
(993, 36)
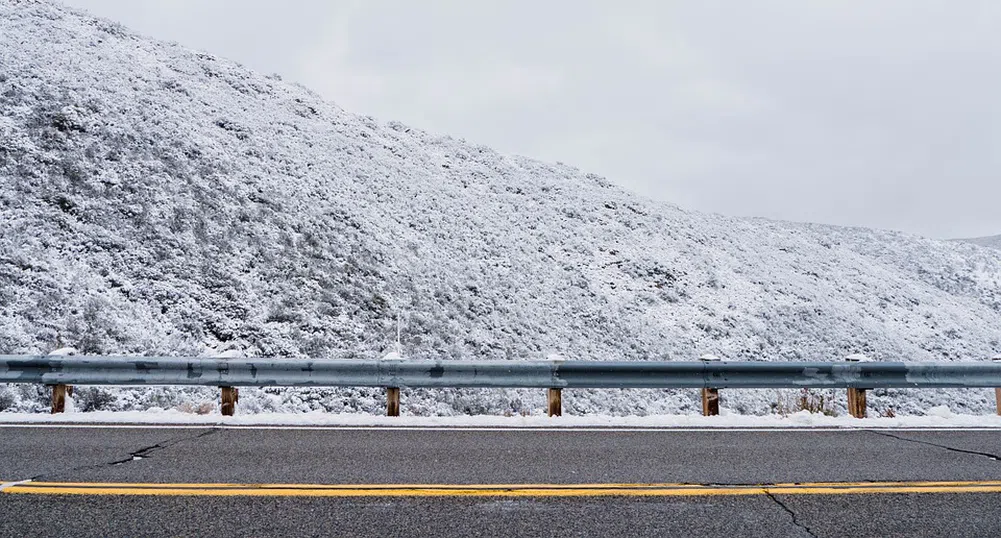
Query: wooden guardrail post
(555, 398)
(856, 397)
(710, 402)
(59, 392)
(710, 396)
(856, 403)
(58, 398)
(393, 401)
(230, 396)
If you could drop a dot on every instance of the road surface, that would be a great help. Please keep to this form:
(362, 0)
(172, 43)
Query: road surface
(103, 481)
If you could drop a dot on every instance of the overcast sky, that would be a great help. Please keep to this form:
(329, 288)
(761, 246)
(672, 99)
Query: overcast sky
(874, 113)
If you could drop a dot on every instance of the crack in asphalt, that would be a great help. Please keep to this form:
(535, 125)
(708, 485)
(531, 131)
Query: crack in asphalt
(994, 457)
(135, 455)
(145, 452)
(795, 520)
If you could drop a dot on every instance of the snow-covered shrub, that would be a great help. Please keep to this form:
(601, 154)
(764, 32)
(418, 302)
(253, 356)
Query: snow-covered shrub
(7, 398)
(94, 399)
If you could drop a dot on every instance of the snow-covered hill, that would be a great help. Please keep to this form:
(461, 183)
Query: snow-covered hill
(157, 200)
(989, 242)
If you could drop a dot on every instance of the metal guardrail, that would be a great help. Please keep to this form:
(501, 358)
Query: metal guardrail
(493, 374)
(554, 375)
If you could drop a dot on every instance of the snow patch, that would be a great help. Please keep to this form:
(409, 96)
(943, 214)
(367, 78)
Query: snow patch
(6, 485)
(938, 419)
(941, 411)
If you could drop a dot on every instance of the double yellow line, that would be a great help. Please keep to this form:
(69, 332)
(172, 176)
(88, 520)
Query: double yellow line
(497, 490)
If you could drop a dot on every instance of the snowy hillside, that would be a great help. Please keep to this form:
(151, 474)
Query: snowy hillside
(156, 200)
(990, 242)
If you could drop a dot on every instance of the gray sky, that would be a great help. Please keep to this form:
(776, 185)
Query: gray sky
(857, 112)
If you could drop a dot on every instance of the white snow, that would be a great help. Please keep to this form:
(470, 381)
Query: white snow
(159, 201)
(5, 485)
(989, 242)
(940, 418)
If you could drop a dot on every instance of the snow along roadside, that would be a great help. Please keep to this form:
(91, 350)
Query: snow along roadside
(938, 417)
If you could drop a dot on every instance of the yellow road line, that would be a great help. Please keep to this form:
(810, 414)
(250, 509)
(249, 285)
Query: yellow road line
(500, 490)
(364, 486)
(627, 485)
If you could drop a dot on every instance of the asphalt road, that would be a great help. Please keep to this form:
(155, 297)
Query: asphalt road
(720, 460)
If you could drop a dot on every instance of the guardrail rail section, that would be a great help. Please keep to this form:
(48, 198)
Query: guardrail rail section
(710, 375)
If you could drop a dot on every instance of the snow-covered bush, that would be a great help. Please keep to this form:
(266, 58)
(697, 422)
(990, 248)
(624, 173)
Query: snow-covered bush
(7, 398)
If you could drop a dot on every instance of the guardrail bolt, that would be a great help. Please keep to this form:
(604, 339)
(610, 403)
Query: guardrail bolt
(392, 401)
(555, 397)
(230, 396)
(856, 399)
(710, 396)
(58, 398)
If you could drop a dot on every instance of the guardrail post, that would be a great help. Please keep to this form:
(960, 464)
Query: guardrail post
(710, 396)
(230, 395)
(58, 399)
(60, 392)
(997, 390)
(710, 402)
(856, 397)
(856, 403)
(392, 401)
(555, 397)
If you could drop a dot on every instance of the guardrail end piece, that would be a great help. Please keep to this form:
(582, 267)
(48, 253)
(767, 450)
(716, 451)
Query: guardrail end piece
(392, 401)
(58, 399)
(555, 397)
(230, 395)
